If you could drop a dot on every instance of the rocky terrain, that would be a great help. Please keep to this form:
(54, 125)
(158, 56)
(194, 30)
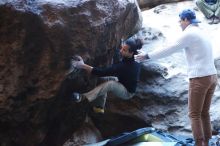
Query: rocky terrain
(37, 41)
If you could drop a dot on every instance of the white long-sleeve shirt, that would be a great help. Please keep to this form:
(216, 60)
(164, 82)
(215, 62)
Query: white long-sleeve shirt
(198, 51)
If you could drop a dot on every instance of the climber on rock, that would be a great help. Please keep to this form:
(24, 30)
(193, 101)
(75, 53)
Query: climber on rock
(127, 71)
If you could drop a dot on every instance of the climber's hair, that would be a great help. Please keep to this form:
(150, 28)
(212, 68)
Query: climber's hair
(134, 44)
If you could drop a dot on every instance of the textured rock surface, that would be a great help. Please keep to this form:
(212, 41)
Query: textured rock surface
(150, 4)
(37, 40)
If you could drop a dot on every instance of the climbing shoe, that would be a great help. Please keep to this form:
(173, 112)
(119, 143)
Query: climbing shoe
(77, 97)
(98, 110)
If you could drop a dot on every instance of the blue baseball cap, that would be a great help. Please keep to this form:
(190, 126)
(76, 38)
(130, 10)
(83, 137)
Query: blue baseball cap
(189, 15)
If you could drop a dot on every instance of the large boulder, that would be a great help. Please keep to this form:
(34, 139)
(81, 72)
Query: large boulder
(146, 4)
(37, 41)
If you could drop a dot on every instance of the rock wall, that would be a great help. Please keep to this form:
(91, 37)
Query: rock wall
(146, 4)
(37, 41)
